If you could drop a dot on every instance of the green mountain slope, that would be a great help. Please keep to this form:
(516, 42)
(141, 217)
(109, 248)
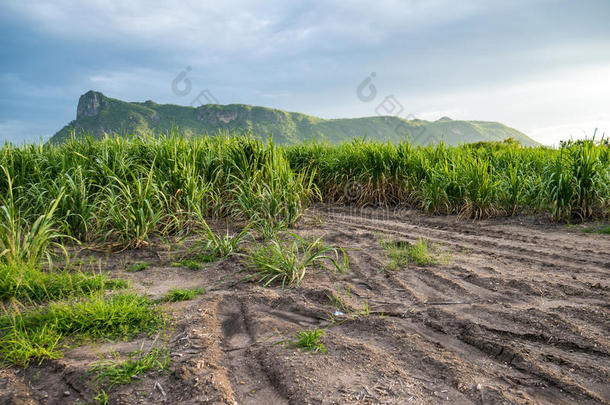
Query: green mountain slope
(98, 114)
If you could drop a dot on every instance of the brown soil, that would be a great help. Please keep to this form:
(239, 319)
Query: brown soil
(517, 313)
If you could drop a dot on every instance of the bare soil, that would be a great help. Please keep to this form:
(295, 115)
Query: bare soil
(519, 312)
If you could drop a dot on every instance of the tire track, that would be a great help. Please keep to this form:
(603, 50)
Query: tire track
(251, 385)
(526, 300)
(491, 248)
(498, 228)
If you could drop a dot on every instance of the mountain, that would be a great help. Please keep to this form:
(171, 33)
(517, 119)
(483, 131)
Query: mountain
(97, 114)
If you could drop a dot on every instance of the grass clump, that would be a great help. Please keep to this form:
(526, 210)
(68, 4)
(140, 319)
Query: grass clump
(211, 246)
(214, 245)
(401, 253)
(37, 333)
(109, 373)
(20, 345)
(101, 398)
(136, 267)
(23, 241)
(309, 340)
(343, 308)
(420, 253)
(604, 230)
(196, 262)
(288, 261)
(29, 283)
(182, 294)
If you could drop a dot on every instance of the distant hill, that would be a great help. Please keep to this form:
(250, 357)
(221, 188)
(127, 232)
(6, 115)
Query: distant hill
(97, 114)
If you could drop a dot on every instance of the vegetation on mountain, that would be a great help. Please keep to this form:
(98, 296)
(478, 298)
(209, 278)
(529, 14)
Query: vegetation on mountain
(98, 114)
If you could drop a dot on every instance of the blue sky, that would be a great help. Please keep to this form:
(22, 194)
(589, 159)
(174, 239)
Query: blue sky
(541, 66)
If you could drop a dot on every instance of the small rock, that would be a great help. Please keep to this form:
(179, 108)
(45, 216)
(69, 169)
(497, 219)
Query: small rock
(479, 387)
(66, 393)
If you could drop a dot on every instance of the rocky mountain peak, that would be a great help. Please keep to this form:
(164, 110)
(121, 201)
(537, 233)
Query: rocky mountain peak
(89, 104)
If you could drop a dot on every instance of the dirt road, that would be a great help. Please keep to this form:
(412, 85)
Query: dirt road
(517, 312)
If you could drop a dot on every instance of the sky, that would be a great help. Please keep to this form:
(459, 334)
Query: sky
(540, 66)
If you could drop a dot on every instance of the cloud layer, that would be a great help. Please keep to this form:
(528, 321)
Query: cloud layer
(539, 66)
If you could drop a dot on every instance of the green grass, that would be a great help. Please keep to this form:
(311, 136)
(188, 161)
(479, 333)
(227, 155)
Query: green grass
(196, 262)
(604, 230)
(134, 208)
(23, 241)
(101, 398)
(136, 267)
(309, 340)
(401, 253)
(571, 183)
(289, 261)
(182, 294)
(36, 334)
(120, 192)
(210, 246)
(339, 302)
(28, 283)
(109, 373)
(420, 253)
(215, 245)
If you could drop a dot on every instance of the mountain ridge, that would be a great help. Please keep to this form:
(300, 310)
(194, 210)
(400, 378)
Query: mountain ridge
(98, 114)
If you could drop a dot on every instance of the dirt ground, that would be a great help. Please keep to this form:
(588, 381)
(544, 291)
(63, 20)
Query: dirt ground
(517, 312)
